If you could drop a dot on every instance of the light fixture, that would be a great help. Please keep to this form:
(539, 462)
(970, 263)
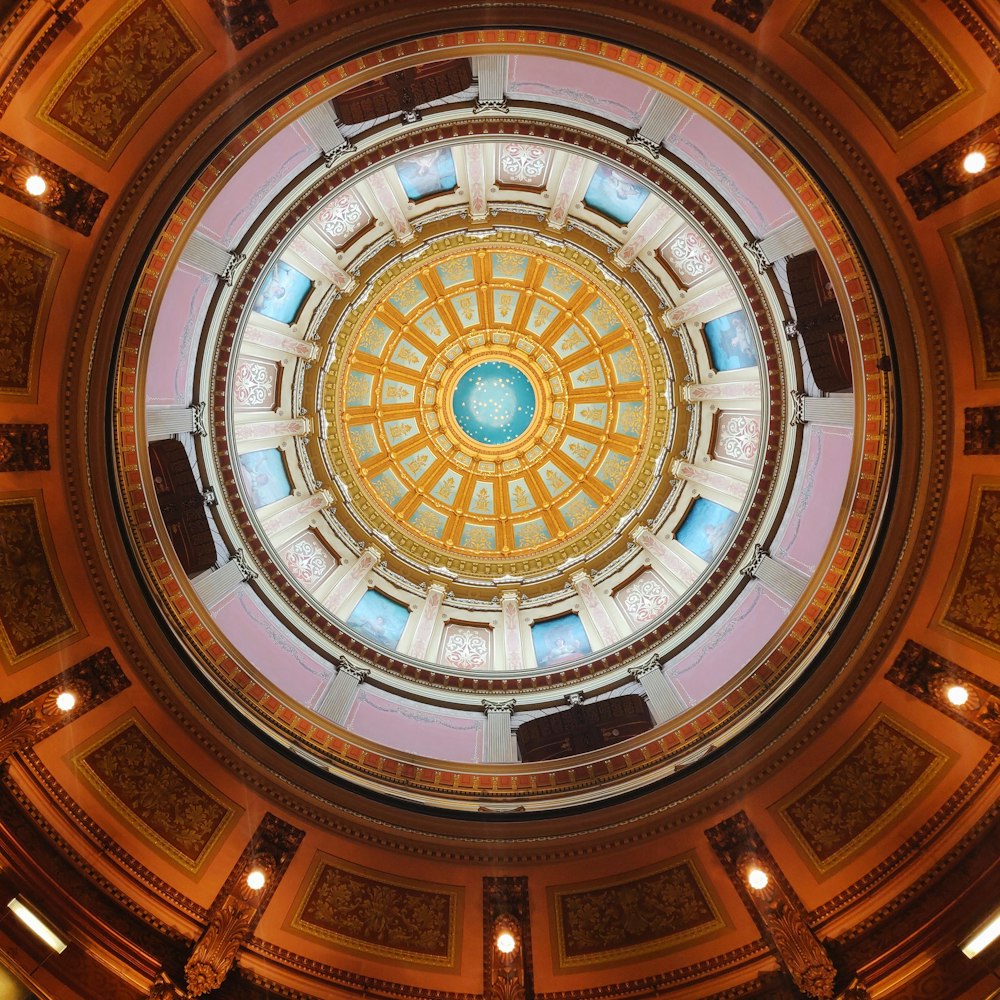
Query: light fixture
(983, 937)
(957, 695)
(974, 162)
(66, 701)
(35, 185)
(506, 942)
(256, 879)
(757, 879)
(36, 924)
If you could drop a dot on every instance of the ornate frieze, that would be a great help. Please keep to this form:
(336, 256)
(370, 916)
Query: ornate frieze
(866, 786)
(238, 907)
(34, 715)
(775, 907)
(370, 912)
(165, 800)
(653, 912)
(928, 676)
(35, 612)
(973, 607)
(24, 447)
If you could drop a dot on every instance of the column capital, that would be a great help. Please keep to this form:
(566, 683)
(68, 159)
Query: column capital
(759, 555)
(641, 669)
(494, 707)
(346, 666)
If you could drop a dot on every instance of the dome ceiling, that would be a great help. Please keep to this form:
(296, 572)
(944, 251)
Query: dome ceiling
(704, 702)
(500, 413)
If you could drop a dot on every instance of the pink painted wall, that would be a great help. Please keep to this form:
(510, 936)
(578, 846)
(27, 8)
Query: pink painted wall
(238, 202)
(596, 90)
(257, 634)
(817, 497)
(734, 172)
(176, 335)
(421, 730)
(722, 652)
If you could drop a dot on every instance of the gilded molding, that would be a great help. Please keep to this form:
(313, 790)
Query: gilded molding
(775, 907)
(237, 907)
(162, 798)
(36, 612)
(68, 199)
(374, 913)
(111, 87)
(34, 715)
(866, 786)
(927, 676)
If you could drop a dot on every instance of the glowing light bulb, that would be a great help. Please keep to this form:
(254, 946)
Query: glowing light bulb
(957, 695)
(256, 879)
(757, 879)
(36, 185)
(505, 942)
(66, 701)
(974, 162)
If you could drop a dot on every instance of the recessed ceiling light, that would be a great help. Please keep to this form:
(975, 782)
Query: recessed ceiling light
(66, 701)
(36, 185)
(957, 695)
(505, 942)
(983, 937)
(974, 162)
(36, 924)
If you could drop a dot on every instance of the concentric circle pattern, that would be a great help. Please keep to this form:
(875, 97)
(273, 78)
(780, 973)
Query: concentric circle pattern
(496, 403)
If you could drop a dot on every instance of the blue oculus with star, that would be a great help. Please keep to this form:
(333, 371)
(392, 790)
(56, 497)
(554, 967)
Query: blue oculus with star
(493, 403)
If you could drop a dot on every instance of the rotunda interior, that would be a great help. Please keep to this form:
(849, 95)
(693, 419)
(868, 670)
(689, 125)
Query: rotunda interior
(497, 499)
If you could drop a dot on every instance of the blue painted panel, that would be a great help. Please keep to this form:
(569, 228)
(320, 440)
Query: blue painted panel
(379, 618)
(613, 194)
(730, 342)
(282, 294)
(559, 640)
(706, 528)
(427, 173)
(264, 476)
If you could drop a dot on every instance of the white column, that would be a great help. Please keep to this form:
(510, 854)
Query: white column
(291, 516)
(280, 342)
(262, 430)
(641, 238)
(749, 389)
(511, 630)
(664, 555)
(786, 241)
(353, 579)
(215, 584)
(491, 73)
(834, 411)
(166, 421)
(719, 482)
(336, 701)
(598, 613)
(563, 199)
(386, 199)
(783, 580)
(499, 746)
(660, 120)
(664, 701)
(476, 170)
(208, 256)
(429, 615)
(322, 126)
(705, 304)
